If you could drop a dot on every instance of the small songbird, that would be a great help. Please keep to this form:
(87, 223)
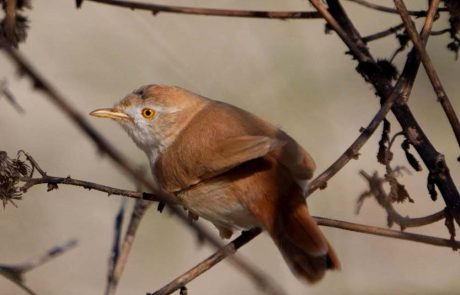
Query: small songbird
(230, 167)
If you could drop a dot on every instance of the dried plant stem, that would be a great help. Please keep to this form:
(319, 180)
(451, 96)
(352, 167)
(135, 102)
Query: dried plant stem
(15, 273)
(209, 262)
(157, 8)
(383, 34)
(87, 185)
(429, 68)
(376, 189)
(419, 13)
(389, 233)
(138, 213)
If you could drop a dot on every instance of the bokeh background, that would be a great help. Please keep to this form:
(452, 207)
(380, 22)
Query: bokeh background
(288, 72)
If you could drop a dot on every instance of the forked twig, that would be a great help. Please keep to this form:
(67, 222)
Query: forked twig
(15, 273)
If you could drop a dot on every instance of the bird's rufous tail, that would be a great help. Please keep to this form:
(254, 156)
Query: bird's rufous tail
(301, 242)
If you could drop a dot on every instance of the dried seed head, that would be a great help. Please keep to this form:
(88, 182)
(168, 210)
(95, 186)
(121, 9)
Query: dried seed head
(11, 172)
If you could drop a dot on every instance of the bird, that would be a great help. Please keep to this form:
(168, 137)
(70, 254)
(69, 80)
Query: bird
(230, 167)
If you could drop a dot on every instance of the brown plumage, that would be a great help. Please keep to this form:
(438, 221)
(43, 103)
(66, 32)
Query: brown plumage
(229, 167)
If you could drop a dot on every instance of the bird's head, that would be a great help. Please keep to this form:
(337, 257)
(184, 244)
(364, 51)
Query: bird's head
(153, 115)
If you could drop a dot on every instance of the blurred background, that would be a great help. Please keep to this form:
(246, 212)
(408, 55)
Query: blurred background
(288, 72)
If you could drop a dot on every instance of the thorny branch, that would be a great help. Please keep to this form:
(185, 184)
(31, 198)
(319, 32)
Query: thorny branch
(157, 8)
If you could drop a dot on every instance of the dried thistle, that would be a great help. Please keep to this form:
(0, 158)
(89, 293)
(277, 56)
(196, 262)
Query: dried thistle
(16, 33)
(14, 26)
(11, 173)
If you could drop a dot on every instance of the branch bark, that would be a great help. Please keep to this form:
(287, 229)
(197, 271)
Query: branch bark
(429, 68)
(157, 8)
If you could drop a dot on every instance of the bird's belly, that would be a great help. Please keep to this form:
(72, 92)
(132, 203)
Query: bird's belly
(216, 202)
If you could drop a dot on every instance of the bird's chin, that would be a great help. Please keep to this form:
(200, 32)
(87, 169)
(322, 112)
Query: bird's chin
(142, 140)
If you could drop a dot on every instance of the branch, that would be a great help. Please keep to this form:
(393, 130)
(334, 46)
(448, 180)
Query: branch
(188, 276)
(429, 68)
(418, 13)
(15, 273)
(376, 190)
(4, 91)
(258, 277)
(245, 237)
(383, 34)
(383, 85)
(138, 213)
(157, 8)
(389, 233)
(54, 180)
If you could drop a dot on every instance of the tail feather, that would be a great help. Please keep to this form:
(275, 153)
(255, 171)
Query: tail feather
(303, 245)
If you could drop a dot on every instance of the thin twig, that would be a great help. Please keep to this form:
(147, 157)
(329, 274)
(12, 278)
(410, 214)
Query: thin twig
(383, 34)
(260, 279)
(418, 13)
(30, 182)
(376, 189)
(138, 213)
(429, 68)
(115, 252)
(157, 8)
(209, 262)
(389, 233)
(4, 91)
(15, 273)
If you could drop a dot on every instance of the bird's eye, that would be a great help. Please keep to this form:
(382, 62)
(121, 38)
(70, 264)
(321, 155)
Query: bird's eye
(148, 113)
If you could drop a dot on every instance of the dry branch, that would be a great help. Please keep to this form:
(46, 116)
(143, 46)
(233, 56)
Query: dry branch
(429, 68)
(15, 273)
(157, 8)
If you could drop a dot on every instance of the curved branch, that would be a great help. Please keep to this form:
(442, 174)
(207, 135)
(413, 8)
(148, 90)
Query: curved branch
(417, 13)
(157, 8)
(393, 216)
(383, 34)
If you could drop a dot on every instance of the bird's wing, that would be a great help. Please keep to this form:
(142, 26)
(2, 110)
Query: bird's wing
(230, 152)
(221, 137)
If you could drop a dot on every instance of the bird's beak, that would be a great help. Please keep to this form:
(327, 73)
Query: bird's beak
(109, 113)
